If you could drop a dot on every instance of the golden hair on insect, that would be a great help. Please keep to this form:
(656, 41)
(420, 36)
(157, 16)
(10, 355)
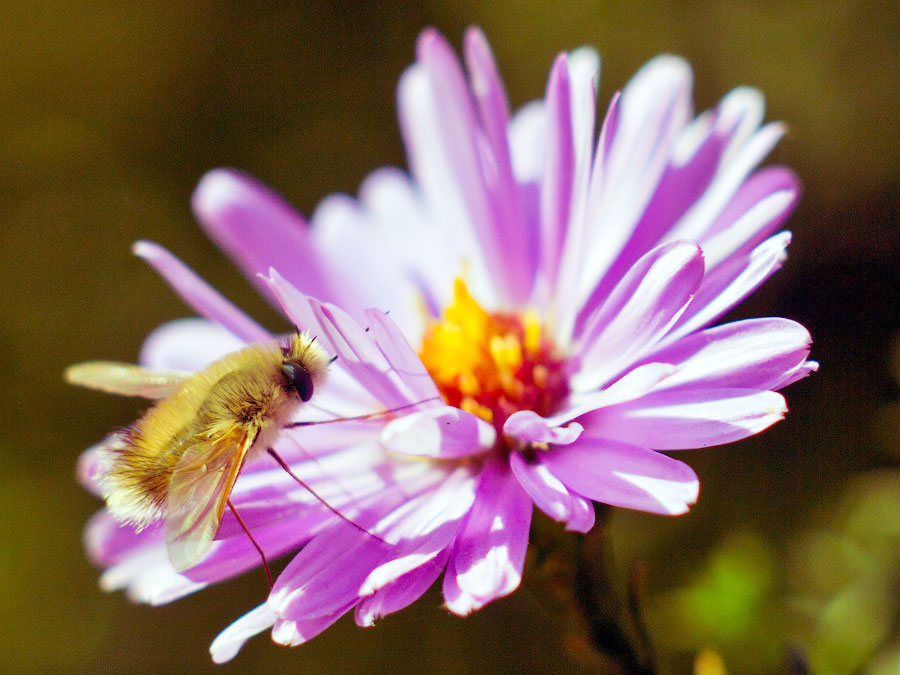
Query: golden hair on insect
(180, 460)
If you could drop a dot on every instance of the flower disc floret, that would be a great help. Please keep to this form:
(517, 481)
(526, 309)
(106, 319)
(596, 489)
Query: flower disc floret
(492, 364)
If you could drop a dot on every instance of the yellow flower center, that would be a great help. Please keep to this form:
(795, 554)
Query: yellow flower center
(492, 364)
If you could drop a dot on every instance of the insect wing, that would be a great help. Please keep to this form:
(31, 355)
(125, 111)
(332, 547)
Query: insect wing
(126, 379)
(198, 492)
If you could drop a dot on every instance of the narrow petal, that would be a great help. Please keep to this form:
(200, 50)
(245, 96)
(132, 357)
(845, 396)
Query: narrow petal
(108, 542)
(188, 344)
(689, 418)
(402, 592)
(685, 179)
(729, 284)
(510, 225)
(423, 529)
(400, 354)
(326, 575)
(229, 642)
(445, 432)
(759, 207)
(259, 230)
(199, 295)
(638, 313)
(486, 562)
(550, 495)
(797, 374)
(459, 134)
(626, 475)
(655, 106)
(737, 165)
(753, 354)
(529, 427)
(634, 384)
(559, 169)
(291, 633)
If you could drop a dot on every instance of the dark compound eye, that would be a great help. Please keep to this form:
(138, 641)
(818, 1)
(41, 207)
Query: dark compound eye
(300, 380)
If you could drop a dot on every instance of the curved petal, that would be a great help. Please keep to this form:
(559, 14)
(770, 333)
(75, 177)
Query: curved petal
(752, 354)
(326, 576)
(259, 229)
(188, 344)
(487, 557)
(445, 432)
(529, 427)
(401, 592)
(198, 294)
(626, 475)
(728, 284)
(654, 107)
(229, 642)
(758, 208)
(682, 419)
(293, 632)
(639, 312)
(551, 496)
(559, 169)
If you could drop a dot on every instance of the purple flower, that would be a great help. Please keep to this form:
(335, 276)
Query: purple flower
(552, 285)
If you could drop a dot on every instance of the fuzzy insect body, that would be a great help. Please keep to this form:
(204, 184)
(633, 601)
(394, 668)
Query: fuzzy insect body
(181, 459)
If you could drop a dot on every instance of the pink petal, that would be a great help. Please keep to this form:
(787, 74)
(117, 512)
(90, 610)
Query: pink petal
(551, 496)
(400, 354)
(259, 230)
(291, 633)
(559, 169)
(108, 542)
(422, 528)
(326, 575)
(459, 135)
(736, 166)
(728, 284)
(510, 225)
(753, 354)
(445, 432)
(621, 474)
(529, 427)
(188, 345)
(640, 311)
(758, 208)
(487, 558)
(797, 374)
(689, 418)
(402, 592)
(93, 464)
(655, 105)
(634, 384)
(229, 642)
(202, 297)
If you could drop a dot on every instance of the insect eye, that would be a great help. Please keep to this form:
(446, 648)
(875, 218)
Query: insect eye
(300, 380)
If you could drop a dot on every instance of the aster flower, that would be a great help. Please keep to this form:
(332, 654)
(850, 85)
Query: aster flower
(551, 284)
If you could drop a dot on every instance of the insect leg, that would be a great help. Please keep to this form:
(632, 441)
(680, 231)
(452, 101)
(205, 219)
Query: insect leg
(294, 425)
(253, 541)
(284, 465)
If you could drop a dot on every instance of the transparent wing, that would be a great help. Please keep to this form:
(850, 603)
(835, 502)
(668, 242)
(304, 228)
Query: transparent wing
(126, 379)
(198, 492)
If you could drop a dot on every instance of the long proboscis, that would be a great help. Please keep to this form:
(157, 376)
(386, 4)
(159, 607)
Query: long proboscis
(368, 416)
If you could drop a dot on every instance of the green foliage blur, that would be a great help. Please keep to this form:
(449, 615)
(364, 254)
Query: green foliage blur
(109, 114)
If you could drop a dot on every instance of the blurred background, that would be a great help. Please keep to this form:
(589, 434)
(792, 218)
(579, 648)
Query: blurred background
(109, 114)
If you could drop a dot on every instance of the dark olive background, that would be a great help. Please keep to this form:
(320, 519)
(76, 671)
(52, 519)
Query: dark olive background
(109, 114)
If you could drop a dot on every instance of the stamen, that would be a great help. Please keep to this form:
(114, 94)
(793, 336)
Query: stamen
(492, 364)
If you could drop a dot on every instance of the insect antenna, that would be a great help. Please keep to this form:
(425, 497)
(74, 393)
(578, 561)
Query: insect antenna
(253, 541)
(294, 425)
(287, 468)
